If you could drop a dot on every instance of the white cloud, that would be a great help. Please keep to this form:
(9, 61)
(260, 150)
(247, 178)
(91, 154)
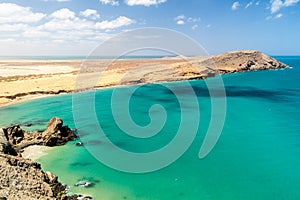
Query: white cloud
(190, 19)
(33, 33)
(58, 0)
(89, 13)
(290, 2)
(144, 2)
(279, 15)
(7, 40)
(117, 23)
(63, 13)
(257, 3)
(195, 27)
(276, 5)
(179, 17)
(110, 2)
(180, 22)
(13, 27)
(182, 19)
(57, 32)
(249, 4)
(66, 24)
(13, 13)
(235, 5)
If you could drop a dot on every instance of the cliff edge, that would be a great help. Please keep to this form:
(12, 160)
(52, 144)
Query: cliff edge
(23, 178)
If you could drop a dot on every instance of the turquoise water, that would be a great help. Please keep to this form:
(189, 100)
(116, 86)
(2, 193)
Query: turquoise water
(256, 157)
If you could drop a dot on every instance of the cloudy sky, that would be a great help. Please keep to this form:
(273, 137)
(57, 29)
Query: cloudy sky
(76, 27)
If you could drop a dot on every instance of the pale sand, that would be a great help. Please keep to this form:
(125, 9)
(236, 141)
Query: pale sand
(22, 80)
(31, 79)
(35, 152)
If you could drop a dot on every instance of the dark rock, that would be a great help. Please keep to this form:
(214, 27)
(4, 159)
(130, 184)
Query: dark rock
(14, 138)
(28, 124)
(24, 179)
(50, 178)
(79, 144)
(56, 134)
(5, 145)
(14, 134)
(87, 198)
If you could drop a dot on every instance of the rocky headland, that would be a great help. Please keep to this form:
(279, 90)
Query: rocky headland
(23, 178)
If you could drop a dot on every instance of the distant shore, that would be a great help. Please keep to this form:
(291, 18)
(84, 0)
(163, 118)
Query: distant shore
(23, 80)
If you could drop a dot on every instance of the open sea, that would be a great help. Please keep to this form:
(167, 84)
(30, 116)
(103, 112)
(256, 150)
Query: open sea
(256, 157)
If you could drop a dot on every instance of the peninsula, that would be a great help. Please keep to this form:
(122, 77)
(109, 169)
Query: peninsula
(26, 79)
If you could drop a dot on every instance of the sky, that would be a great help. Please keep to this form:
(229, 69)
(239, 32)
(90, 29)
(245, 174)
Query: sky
(76, 27)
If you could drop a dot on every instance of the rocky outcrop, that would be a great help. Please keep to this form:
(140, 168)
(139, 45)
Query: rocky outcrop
(5, 145)
(201, 67)
(55, 135)
(247, 60)
(22, 178)
(231, 62)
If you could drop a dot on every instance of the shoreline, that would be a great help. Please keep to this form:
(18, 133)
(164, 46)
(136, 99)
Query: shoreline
(3, 105)
(44, 83)
(35, 152)
(19, 151)
(19, 89)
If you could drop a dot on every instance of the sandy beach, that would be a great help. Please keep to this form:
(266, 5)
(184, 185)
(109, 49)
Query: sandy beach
(28, 79)
(22, 80)
(35, 152)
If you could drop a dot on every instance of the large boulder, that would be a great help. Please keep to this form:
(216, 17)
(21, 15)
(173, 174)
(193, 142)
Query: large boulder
(14, 134)
(5, 145)
(50, 178)
(56, 134)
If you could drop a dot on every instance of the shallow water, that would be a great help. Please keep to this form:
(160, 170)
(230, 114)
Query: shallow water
(256, 157)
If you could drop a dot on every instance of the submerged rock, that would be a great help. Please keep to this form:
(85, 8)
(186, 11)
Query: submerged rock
(79, 144)
(84, 184)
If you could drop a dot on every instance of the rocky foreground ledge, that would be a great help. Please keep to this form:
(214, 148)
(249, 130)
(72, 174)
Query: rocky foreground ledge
(23, 178)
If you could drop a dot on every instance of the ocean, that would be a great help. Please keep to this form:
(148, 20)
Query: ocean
(256, 156)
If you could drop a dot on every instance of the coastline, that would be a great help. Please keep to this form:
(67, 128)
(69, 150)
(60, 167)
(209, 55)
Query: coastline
(35, 152)
(113, 80)
(17, 88)
(19, 149)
